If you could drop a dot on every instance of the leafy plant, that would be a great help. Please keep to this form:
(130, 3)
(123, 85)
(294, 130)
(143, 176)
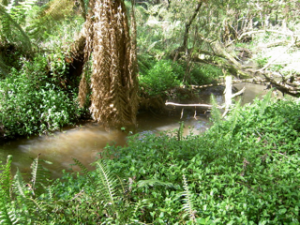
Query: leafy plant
(32, 102)
(161, 77)
(204, 74)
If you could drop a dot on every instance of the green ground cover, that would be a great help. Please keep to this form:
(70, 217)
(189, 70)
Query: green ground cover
(243, 170)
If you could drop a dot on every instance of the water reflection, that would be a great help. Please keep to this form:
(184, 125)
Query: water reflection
(83, 143)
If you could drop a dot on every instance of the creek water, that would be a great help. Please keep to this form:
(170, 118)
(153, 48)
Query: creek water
(84, 142)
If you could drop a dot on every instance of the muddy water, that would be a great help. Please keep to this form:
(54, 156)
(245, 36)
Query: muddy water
(86, 141)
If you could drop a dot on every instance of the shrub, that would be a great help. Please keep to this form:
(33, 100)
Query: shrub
(32, 102)
(204, 74)
(161, 77)
(166, 74)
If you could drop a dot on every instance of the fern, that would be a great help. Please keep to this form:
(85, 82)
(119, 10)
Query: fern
(234, 118)
(34, 170)
(39, 174)
(107, 183)
(82, 167)
(12, 32)
(107, 189)
(7, 216)
(5, 179)
(216, 115)
(50, 192)
(188, 206)
(180, 131)
(19, 185)
(25, 193)
(4, 69)
(265, 102)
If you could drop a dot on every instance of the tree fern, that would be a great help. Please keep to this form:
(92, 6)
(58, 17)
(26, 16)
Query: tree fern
(45, 19)
(12, 32)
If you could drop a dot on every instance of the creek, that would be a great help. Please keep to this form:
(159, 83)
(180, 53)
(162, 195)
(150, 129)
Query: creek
(85, 141)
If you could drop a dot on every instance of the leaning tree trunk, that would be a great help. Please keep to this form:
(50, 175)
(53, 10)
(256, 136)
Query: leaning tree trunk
(113, 82)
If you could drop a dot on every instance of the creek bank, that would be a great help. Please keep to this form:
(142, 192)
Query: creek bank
(182, 95)
(87, 139)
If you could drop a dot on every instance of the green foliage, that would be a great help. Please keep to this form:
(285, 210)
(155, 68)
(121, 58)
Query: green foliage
(12, 32)
(158, 77)
(261, 61)
(5, 179)
(246, 177)
(180, 131)
(204, 74)
(15, 206)
(31, 101)
(161, 77)
(244, 170)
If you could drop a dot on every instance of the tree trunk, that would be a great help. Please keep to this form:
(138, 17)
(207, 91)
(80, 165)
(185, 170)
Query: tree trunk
(113, 81)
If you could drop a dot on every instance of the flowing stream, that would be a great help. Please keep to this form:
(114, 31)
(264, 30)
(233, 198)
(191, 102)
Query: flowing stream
(85, 141)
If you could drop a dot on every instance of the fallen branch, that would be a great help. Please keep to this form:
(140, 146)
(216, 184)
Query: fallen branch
(204, 105)
(193, 105)
(239, 92)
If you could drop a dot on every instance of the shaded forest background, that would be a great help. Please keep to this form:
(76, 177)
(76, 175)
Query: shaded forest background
(46, 48)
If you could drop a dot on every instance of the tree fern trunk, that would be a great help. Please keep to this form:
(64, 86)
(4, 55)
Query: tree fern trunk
(113, 82)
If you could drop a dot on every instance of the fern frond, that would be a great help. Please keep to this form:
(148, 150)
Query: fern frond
(265, 102)
(134, 213)
(19, 184)
(34, 170)
(50, 192)
(216, 115)
(82, 167)
(7, 215)
(5, 178)
(234, 118)
(188, 206)
(39, 174)
(180, 131)
(108, 184)
(19, 36)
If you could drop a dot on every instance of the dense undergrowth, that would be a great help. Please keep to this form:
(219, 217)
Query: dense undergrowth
(163, 75)
(243, 170)
(37, 98)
